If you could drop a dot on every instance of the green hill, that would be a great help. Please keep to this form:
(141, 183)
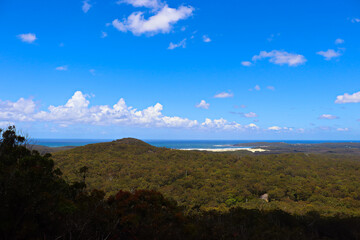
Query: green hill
(297, 183)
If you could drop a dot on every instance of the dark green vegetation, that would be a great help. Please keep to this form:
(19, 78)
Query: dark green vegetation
(37, 203)
(296, 183)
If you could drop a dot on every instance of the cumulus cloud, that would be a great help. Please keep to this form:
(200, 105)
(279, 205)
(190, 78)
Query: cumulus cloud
(342, 129)
(222, 124)
(339, 41)
(20, 110)
(206, 39)
(348, 98)
(62, 68)
(224, 95)
(329, 54)
(281, 58)
(355, 20)
(328, 116)
(27, 37)
(77, 110)
(86, 6)
(161, 22)
(246, 63)
(182, 44)
(203, 104)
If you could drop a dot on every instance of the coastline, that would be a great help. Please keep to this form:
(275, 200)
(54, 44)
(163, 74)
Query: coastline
(225, 149)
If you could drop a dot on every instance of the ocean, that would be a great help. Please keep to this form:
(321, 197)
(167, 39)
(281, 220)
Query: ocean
(175, 144)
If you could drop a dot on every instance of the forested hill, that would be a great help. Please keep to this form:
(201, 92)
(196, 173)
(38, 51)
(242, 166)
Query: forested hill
(297, 183)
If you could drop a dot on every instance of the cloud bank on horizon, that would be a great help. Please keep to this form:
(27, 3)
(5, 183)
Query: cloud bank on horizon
(77, 111)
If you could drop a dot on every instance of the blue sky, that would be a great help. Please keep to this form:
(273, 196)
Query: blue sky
(182, 69)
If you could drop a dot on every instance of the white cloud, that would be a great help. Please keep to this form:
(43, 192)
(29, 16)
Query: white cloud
(104, 34)
(162, 21)
(246, 63)
(275, 128)
(77, 110)
(355, 20)
(224, 95)
(92, 71)
(182, 44)
(154, 4)
(342, 129)
(252, 125)
(328, 116)
(339, 41)
(348, 98)
(206, 39)
(203, 104)
(272, 88)
(221, 124)
(281, 57)
(86, 6)
(20, 110)
(27, 37)
(5, 124)
(257, 88)
(250, 115)
(62, 68)
(329, 54)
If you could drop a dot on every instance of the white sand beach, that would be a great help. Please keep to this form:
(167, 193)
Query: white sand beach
(225, 149)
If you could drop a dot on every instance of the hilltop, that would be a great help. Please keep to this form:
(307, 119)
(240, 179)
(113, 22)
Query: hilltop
(132, 141)
(296, 183)
(38, 203)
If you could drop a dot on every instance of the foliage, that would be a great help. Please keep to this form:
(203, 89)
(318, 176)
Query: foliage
(36, 203)
(296, 183)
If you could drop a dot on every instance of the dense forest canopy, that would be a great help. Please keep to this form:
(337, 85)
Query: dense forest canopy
(38, 202)
(296, 183)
